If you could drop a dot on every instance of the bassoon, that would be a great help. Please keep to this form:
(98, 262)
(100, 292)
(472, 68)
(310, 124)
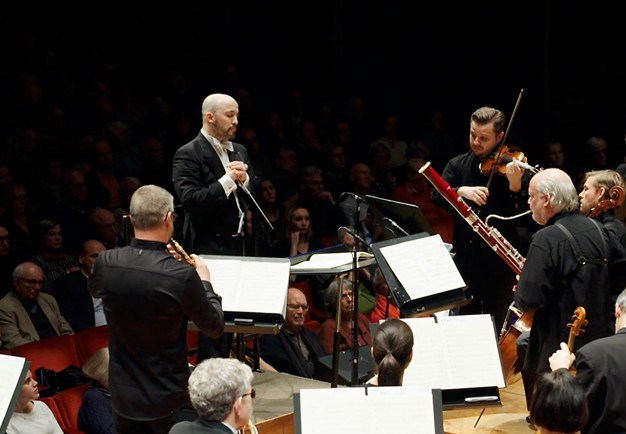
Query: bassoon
(491, 235)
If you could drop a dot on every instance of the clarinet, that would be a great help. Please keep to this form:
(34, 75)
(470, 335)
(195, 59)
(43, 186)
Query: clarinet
(489, 234)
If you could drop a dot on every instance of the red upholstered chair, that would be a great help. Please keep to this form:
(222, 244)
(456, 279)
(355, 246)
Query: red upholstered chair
(52, 405)
(314, 312)
(68, 403)
(90, 340)
(192, 345)
(56, 353)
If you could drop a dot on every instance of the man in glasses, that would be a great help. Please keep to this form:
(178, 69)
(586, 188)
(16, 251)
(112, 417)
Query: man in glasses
(27, 315)
(295, 349)
(221, 392)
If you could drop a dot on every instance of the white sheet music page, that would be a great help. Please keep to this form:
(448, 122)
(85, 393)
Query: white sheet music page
(250, 285)
(350, 410)
(423, 266)
(458, 352)
(330, 260)
(10, 376)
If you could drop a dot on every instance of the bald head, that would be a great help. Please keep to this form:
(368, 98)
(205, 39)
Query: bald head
(297, 307)
(220, 116)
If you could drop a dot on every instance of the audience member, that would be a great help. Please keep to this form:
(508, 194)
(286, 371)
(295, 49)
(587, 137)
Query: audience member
(47, 194)
(261, 235)
(296, 235)
(77, 305)
(27, 315)
(326, 216)
(392, 351)
(52, 259)
(155, 168)
(384, 179)
(295, 349)
(285, 174)
(598, 367)
(74, 210)
(104, 227)
(335, 170)
(555, 157)
(346, 309)
(102, 181)
(95, 414)
(389, 137)
(21, 220)
(385, 303)
(558, 404)
(261, 159)
(8, 262)
(361, 181)
(221, 392)
(128, 186)
(30, 414)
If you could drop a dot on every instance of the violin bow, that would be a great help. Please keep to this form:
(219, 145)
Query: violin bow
(506, 135)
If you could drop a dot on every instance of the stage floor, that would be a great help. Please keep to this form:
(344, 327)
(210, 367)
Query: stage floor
(273, 407)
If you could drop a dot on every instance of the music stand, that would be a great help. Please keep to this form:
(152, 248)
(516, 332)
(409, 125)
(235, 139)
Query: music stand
(408, 216)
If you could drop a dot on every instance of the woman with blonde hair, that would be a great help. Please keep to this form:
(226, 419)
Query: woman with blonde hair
(95, 415)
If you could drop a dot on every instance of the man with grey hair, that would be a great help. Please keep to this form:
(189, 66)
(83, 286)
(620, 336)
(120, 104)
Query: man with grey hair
(599, 368)
(571, 262)
(221, 392)
(148, 299)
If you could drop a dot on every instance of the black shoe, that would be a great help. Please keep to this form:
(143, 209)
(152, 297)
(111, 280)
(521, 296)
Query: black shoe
(528, 419)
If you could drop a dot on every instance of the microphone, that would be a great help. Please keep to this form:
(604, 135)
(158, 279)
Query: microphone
(354, 234)
(349, 193)
(396, 225)
(521, 164)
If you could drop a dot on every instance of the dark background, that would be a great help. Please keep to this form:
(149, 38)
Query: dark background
(407, 57)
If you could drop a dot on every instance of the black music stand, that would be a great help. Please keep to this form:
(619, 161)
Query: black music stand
(415, 307)
(408, 216)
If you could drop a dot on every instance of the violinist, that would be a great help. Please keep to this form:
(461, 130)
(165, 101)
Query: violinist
(489, 280)
(596, 200)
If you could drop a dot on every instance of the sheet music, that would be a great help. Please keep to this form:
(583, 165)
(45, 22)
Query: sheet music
(351, 410)
(11, 369)
(330, 260)
(247, 285)
(458, 352)
(423, 266)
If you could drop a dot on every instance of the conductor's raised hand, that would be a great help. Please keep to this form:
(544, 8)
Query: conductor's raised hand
(237, 170)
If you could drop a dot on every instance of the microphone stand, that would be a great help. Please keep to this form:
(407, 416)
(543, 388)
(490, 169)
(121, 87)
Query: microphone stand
(355, 299)
(337, 336)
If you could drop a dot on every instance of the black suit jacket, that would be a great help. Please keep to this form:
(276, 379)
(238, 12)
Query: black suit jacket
(210, 216)
(280, 352)
(200, 426)
(600, 369)
(74, 300)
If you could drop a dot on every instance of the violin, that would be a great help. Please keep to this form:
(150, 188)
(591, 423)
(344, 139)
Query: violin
(496, 162)
(576, 326)
(616, 198)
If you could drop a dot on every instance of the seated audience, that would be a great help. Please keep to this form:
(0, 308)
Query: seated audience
(295, 349)
(95, 415)
(31, 415)
(327, 329)
(20, 219)
(104, 228)
(392, 351)
(52, 260)
(385, 303)
(27, 315)
(221, 392)
(77, 305)
(296, 235)
(558, 404)
(8, 262)
(600, 370)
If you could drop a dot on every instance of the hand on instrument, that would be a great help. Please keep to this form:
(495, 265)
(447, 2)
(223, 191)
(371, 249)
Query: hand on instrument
(561, 358)
(201, 268)
(476, 194)
(237, 170)
(514, 175)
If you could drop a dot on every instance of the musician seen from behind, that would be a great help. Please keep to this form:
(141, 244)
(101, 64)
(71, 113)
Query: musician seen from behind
(211, 174)
(571, 262)
(148, 298)
(490, 281)
(596, 202)
(599, 368)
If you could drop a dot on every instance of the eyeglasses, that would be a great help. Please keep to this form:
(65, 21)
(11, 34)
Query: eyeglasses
(32, 282)
(252, 394)
(304, 307)
(174, 216)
